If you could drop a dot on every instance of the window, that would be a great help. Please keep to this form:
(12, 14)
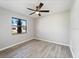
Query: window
(19, 26)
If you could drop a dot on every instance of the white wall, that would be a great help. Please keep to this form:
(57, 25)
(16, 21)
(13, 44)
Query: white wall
(74, 34)
(54, 28)
(6, 38)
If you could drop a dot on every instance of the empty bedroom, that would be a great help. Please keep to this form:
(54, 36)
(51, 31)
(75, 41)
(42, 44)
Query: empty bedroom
(39, 28)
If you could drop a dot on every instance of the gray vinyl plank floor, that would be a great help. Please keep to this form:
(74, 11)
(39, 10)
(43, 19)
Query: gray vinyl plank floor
(37, 49)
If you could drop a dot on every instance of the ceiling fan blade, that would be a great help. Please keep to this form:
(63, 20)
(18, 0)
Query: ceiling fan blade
(31, 9)
(31, 13)
(39, 14)
(44, 11)
(40, 5)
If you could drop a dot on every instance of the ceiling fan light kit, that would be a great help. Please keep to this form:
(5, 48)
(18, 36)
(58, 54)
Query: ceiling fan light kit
(38, 10)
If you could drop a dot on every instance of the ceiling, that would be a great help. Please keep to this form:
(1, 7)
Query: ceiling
(21, 6)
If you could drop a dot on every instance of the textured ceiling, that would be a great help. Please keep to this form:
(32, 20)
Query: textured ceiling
(21, 6)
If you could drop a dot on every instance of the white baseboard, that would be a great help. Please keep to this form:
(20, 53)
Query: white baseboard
(52, 42)
(72, 52)
(31, 39)
(16, 44)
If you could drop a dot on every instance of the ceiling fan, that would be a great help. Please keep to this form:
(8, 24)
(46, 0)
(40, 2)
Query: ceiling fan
(38, 10)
